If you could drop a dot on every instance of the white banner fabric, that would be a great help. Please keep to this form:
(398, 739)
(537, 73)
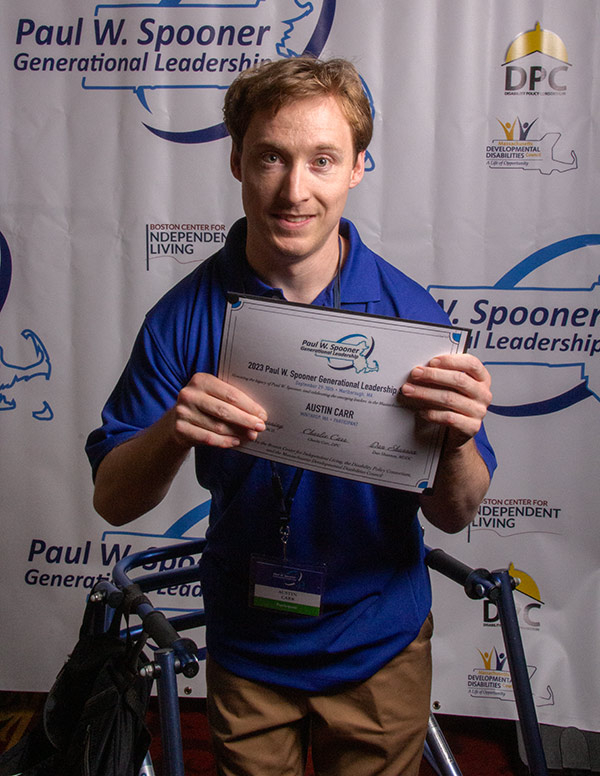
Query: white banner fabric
(483, 184)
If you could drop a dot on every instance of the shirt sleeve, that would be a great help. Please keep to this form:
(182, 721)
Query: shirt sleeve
(486, 451)
(147, 388)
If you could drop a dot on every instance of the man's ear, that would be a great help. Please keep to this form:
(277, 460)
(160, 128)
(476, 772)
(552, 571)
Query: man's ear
(235, 163)
(358, 170)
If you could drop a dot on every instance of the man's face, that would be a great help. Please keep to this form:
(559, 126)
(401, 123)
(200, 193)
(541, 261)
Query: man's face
(296, 169)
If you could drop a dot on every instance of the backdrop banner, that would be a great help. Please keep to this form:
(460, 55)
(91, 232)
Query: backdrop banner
(483, 184)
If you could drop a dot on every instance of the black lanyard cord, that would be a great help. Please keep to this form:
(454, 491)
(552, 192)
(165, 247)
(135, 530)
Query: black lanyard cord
(285, 501)
(337, 288)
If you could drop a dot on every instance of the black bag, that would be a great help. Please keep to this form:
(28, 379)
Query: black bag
(93, 718)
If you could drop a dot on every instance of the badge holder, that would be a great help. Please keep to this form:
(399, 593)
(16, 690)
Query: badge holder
(279, 584)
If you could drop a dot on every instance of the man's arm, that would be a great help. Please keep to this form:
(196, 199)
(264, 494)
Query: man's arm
(135, 476)
(454, 391)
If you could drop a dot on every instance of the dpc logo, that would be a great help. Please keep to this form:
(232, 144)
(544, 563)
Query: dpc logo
(528, 611)
(542, 64)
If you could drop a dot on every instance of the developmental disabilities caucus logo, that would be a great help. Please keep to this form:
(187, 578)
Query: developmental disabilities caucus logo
(491, 679)
(525, 153)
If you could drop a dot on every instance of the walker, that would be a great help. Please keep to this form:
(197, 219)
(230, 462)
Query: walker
(180, 655)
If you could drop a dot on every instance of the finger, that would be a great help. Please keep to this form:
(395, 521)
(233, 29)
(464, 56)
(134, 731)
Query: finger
(426, 397)
(211, 412)
(212, 401)
(462, 362)
(194, 427)
(199, 435)
(222, 424)
(224, 392)
(453, 379)
(223, 417)
(462, 426)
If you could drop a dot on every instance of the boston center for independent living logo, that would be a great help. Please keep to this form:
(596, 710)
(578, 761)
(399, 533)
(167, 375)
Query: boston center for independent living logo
(352, 352)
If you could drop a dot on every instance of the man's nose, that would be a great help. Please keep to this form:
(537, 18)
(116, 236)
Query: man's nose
(294, 186)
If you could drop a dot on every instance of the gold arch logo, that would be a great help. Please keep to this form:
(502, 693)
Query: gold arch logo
(527, 585)
(544, 72)
(538, 41)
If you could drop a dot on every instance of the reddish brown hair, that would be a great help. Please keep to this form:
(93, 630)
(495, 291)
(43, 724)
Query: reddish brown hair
(272, 85)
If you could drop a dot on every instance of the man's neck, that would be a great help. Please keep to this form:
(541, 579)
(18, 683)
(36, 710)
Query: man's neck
(301, 281)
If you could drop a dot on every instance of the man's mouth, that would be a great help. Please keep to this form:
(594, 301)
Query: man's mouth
(293, 219)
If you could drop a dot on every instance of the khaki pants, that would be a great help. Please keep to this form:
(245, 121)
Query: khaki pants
(373, 728)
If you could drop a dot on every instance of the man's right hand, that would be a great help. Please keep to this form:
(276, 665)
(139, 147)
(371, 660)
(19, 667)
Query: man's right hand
(211, 412)
(136, 475)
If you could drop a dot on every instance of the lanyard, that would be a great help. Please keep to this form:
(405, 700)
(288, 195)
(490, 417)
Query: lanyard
(287, 499)
(337, 286)
(285, 502)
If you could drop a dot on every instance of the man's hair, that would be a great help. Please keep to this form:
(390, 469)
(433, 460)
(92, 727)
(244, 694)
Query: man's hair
(272, 85)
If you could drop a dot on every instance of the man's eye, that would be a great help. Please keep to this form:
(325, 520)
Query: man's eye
(322, 161)
(271, 158)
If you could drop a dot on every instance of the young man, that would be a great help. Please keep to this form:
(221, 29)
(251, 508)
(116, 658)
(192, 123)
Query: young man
(354, 680)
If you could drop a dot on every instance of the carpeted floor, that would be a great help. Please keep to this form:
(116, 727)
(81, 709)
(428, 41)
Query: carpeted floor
(17, 711)
(481, 747)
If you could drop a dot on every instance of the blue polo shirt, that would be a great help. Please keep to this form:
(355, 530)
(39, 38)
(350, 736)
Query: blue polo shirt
(377, 592)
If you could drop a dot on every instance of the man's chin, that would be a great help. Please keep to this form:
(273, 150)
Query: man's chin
(293, 249)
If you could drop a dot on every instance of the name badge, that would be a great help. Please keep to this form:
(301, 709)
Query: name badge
(294, 588)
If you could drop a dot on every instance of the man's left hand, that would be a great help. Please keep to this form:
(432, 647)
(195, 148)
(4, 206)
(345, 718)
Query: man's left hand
(452, 390)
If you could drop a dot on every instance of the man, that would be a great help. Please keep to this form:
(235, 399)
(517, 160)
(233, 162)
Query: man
(355, 680)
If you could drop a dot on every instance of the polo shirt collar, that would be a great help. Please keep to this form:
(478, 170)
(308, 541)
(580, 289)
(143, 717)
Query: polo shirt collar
(359, 279)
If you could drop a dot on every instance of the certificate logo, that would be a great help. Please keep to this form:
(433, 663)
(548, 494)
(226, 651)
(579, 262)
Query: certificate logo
(352, 352)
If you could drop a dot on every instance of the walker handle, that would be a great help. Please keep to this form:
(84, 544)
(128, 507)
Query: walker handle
(478, 583)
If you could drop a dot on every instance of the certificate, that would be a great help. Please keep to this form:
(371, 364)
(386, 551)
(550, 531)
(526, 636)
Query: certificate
(329, 381)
